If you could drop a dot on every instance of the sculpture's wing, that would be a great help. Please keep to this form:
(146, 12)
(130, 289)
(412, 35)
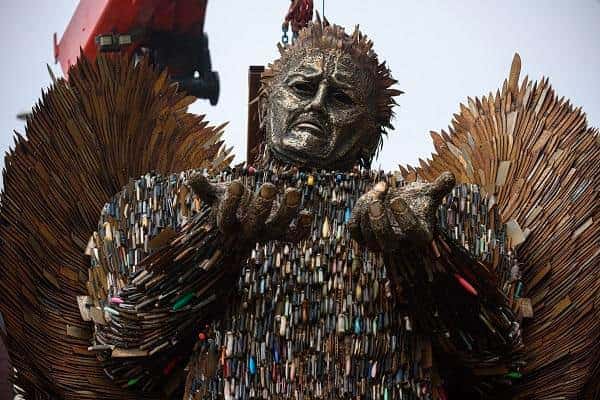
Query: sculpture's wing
(533, 154)
(85, 139)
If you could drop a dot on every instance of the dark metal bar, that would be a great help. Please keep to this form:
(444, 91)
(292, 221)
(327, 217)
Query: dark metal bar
(254, 136)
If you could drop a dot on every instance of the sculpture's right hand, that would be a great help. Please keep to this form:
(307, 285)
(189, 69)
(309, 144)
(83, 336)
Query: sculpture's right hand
(253, 217)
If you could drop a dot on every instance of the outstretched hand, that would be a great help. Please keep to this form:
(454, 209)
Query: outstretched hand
(385, 219)
(253, 217)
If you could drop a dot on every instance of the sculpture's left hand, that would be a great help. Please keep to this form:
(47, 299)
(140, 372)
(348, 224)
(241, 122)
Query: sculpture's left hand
(386, 219)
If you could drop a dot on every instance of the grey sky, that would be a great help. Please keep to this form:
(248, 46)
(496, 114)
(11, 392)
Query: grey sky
(440, 52)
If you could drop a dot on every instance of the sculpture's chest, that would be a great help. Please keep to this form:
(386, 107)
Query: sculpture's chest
(317, 318)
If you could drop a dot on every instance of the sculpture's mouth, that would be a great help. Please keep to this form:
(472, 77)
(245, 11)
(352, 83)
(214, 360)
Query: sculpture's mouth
(311, 126)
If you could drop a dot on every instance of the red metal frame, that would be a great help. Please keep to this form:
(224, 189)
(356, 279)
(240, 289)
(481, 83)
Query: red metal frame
(97, 17)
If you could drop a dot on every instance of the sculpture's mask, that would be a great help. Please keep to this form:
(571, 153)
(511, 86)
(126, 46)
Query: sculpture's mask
(327, 101)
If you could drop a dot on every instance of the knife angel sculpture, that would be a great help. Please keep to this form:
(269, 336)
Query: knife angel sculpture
(307, 274)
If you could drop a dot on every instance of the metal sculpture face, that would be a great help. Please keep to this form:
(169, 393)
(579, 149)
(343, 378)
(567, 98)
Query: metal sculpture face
(318, 112)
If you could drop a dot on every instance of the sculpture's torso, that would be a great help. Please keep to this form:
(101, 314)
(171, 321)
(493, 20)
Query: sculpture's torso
(321, 318)
(318, 318)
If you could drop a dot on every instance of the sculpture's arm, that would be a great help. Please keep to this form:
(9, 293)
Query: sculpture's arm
(453, 296)
(164, 259)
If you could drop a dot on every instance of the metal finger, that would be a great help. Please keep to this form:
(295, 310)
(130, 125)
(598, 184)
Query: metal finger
(227, 218)
(259, 210)
(354, 223)
(407, 224)
(369, 238)
(379, 189)
(286, 211)
(380, 226)
(362, 211)
(442, 185)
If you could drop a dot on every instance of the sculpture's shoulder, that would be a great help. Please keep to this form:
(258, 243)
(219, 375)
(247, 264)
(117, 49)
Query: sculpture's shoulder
(141, 218)
(166, 197)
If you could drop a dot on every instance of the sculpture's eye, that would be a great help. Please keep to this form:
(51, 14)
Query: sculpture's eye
(341, 97)
(304, 88)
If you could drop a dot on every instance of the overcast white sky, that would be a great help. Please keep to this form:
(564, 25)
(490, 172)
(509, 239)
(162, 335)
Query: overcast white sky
(440, 52)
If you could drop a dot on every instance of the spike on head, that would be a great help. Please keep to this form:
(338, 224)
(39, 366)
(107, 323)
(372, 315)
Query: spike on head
(327, 101)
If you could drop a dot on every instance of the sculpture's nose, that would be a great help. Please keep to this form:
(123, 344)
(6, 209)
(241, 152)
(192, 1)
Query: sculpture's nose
(318, 101)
